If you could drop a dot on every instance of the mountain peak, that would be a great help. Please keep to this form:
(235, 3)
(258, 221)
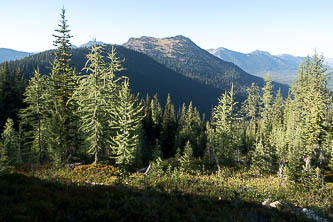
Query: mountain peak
(157, 40)
(91, 43)
(170, 46)
(258, 52)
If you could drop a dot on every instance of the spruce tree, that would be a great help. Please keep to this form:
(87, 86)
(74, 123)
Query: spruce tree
(127, 114)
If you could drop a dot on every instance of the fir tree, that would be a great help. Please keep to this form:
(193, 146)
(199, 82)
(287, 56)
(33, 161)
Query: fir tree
(61, 87)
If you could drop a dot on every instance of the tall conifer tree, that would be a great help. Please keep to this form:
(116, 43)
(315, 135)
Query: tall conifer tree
(34, 116)
(169, 128)
(126, 118)
(95, 97)
(63, 122)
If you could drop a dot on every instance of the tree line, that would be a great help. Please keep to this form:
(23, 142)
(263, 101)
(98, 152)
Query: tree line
(93, 117)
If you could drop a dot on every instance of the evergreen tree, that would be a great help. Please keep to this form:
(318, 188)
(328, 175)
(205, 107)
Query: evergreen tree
(10, 141)
(188, 149)
(61, 87)
(266, 111)
(264, 156)
(12, 86)
(261, 159)
(169, 128)
(224, 119)
(34, 116)
(185, 159)
(5, 166)
(157, 152)
(126, 118)
(252, 106)
(95, 97)
(210, 153)
(306, 122)
(277, 109)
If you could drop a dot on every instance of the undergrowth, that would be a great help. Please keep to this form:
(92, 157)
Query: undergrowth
(169, 191)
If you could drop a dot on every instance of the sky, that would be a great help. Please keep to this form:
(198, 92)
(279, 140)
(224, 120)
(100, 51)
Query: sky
(297, 27)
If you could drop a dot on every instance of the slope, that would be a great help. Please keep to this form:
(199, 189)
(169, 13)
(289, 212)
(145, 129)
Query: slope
(283, 68)
(145, 74)
(182, 55)
(10, 54)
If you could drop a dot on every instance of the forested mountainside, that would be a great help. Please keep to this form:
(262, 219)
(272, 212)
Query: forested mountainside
(145, 74)
(184, 56)
(10, 54)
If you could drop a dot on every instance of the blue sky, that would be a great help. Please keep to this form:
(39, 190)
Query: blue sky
(295, 27)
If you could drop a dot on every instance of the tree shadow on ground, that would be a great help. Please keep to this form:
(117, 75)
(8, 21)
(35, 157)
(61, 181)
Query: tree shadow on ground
(25, 198)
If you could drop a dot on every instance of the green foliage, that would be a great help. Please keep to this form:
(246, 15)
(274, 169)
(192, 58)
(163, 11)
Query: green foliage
(307, 118)
(95, 96)
(5, 166)
(262, 159)
(35, 115)
(252, 106)
(224, 119)
(234, 194)
(127, 114)
(169, 128)
(11, 144)
(12, 85)
(157, 151)
(62, 123)
(185, 159)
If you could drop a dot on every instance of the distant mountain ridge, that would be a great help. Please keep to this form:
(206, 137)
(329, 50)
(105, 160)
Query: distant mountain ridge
(10, 54)
(182, 55)
(145, 74)
(283, 68)
(91, 43)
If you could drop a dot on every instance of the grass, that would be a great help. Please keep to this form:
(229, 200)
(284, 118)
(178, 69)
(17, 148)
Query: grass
(165, 194)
